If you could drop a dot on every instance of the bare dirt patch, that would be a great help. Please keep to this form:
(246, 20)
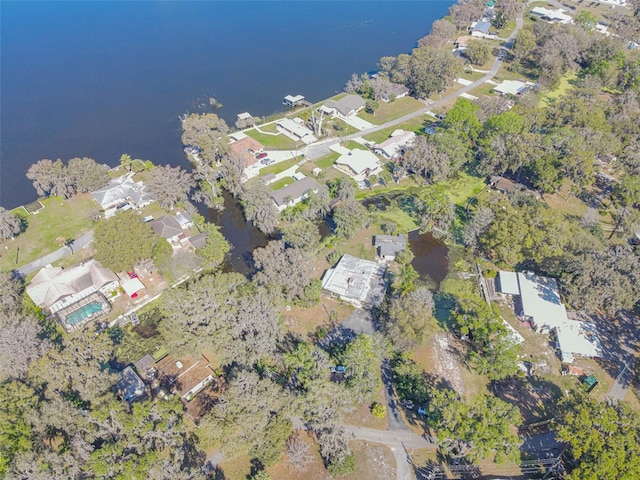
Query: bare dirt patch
(307, 321)
(362, 416)
(314, 470)
(445, 361)
(373, 462)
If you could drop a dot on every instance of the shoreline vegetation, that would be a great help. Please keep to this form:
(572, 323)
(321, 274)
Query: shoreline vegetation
(520, 152)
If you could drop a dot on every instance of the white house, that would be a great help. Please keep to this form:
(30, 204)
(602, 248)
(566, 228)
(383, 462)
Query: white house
(344, 108)
(359, 164)
(513, 87)
(120, 192)
(480, 29)
(360, 282)
(296, 130)
(294, 193)
(293, 100)
(392, 147)
(551, 15)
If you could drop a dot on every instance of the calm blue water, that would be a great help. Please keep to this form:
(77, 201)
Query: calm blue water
(100, 79)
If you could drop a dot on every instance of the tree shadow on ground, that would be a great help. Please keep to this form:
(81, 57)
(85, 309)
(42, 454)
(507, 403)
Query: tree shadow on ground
(535, 399)
(444, 305)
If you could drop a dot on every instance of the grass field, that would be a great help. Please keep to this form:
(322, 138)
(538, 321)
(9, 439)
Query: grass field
(566, 83)
(58, 221)
(283, 182)
(392, 110)
(141, 339)
(272, 142)
(414, 125)
(276, 168)
(327, 161)
(463, 186)
(352, 144)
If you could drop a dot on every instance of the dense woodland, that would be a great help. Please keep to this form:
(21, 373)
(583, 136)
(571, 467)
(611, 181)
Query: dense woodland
(59, 413)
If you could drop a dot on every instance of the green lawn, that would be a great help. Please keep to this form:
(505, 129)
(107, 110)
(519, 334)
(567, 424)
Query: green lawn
(48, 229)
(462, 187)
(508, 29)
(352, 144)
(276, 168)
(272, 142)
(395, 214)
(415, 124)
(566, 82)
(283, 182)
(392, 110)
(271, 127)
(327, 160)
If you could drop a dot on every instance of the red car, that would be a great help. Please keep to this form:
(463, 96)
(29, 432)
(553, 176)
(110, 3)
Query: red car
(132, 274)
(262, 155)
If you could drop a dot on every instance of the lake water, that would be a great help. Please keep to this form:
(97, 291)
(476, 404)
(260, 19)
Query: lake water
(100, 79)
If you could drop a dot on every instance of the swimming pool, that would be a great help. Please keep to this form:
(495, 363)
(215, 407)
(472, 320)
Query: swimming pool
(83, 312)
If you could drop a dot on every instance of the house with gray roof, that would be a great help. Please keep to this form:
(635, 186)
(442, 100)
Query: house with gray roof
(54, 288)
(166, 227)
(344, 108)
(294, 193)
(396, 91)
(357, 281)
(388, 246)
(130, 385)
(480, 29)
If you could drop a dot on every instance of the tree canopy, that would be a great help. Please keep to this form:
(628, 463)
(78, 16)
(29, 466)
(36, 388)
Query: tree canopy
(123, 240)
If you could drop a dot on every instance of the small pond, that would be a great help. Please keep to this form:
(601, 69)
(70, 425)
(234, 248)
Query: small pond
(431, 257)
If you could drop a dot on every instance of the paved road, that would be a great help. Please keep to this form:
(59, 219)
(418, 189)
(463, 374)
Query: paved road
(394, 417)
(76, 245)
(322, 148)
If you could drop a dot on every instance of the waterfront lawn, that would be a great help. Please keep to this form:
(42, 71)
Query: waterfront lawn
(415, 125)
(276, 168)
(58, 221)
(395, 214)
(272, 142)
(283, 182)
(392, 110)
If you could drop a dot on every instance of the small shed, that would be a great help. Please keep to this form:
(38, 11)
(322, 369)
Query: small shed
(130, 385)
(132, 286)
(590, 382)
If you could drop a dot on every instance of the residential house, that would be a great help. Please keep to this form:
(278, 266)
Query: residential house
(296, 130)
(513, 87)
(122, 193)
(395, 144)
(186, 376)
(292, 101)
(396, 91)
(551, 15)
(480, 29)
(247, 149)
(359, 164)
(184, 220)
(167, 227)
(146, 367)
(130, 385)
(54, 288)
(578, 339)
(357, 281)
(344, 108)
(294, 193)
(133, 287)
(388, 246)
(244, 120)
(199, 240)
(462, 42)
(504, 185)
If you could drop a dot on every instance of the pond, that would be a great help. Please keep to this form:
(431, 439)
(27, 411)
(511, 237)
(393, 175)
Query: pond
(431, 259)
(242, 235)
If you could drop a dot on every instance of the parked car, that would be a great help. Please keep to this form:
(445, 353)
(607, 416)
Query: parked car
(339, 369)
(132, 274)
(408, 404)
(422, 412)
(262, 155)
